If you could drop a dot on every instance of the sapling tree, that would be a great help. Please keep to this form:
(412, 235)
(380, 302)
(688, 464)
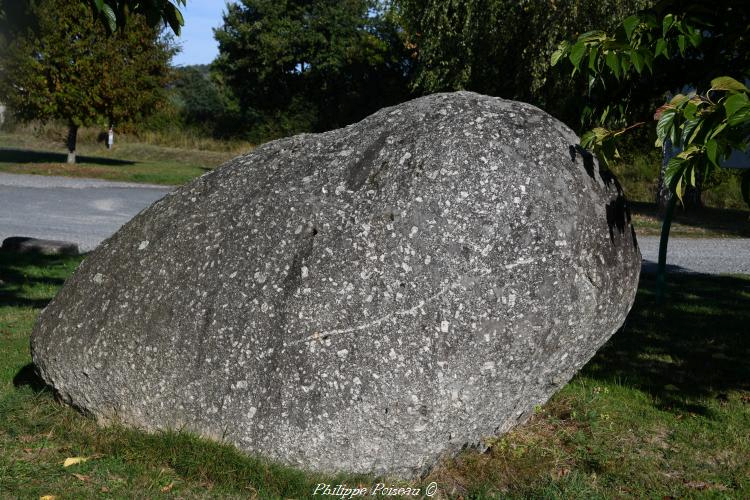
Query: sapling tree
(705, 125)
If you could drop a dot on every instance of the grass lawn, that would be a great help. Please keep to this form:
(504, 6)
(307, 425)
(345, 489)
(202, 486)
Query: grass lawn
(127, 161)
(705, 223)
(662, 411)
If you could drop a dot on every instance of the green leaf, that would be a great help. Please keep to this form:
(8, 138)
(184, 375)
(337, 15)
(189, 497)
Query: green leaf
(588, 139)
(637, 59)
(594, 35)
(690, 109)
(717, 130)
(687, 129)
(665, 124)
(555, 58)
(99, 4)
(110, 17)
(740, 117)
(613, 63)
(696, 132)
(174, 18)
(690, 174)
(674, 135)
(745, 186)
(666, 24)
(734, 103)
(562, 50)
(605, 114)
(728, 83)
(689, 152)
(712, 151)
(592, 59)
(630, 24)
(625, 65)
(695, 37)
(661, 48)
(576, 53)
(682, 43)
(675, 173)
(648, 60)
(678, 99)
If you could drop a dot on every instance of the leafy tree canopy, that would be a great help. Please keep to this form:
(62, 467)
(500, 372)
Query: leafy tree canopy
(204, 102)
(65, 66)
(300, 65)
(501, 47)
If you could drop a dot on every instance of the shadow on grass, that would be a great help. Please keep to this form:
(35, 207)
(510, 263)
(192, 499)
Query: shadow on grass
(18, 279)
(28, 377)
(11, 155)
(725, 220)
(695, 346)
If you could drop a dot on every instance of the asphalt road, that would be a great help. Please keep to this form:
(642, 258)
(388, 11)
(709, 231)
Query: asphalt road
(699, 255)
(87, 211)
(83, 211)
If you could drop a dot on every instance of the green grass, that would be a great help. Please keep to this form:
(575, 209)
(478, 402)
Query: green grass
(127, 161)
(705, 223)
(662, 411)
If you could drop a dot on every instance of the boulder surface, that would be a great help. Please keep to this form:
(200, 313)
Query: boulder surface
(367, 299)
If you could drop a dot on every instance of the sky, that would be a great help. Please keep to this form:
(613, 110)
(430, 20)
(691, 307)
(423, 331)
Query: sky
(197, 38)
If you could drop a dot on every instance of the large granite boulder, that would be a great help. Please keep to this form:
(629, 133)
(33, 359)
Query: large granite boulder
(368, 299)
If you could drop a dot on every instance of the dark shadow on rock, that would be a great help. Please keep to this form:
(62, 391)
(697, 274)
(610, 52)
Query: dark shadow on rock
(694, 347)
(588, 158)
(28, 376)
(618, 211)
(12, 155)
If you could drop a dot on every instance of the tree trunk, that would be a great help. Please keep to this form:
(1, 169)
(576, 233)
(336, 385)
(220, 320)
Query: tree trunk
(72, 140)
(662, 190)
(110, 136)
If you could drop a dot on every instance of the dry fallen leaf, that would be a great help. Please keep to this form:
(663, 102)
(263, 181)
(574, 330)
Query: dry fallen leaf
(698, 485)
(168, 488)
(73, 461)
(47, 497)
(81, 477)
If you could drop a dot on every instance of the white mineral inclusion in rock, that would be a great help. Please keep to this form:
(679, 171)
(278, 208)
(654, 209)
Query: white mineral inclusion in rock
(143, 245)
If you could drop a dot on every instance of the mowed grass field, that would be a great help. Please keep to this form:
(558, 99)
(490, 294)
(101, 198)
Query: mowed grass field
(662, 411)
(127, 161)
